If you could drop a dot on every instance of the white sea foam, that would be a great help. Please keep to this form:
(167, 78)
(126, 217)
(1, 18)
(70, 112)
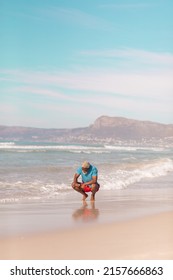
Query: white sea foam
(13, 145)
(91, 151)
(70, 148)
(120, 179)
(130, 148)
(4, 145)
(35, 190)
(73, 148)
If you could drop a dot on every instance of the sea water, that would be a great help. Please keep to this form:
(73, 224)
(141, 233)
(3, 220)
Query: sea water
(44, 171)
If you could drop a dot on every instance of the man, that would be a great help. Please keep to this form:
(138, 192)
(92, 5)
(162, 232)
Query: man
(89, 174)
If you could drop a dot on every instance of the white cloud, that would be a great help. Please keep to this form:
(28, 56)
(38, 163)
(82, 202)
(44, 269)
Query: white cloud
(7, 109)
(75, 16)
(135, 55)
(127, 5)
(155, 84)
(38, 91)
(142, 93)
(125, 84)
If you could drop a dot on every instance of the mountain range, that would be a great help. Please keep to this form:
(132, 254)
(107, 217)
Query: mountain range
(104, 128)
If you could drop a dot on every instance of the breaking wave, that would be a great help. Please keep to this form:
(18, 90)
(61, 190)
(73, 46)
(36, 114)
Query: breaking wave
(19, 147)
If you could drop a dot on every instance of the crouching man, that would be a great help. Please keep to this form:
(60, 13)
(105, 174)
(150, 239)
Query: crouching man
(89, 176)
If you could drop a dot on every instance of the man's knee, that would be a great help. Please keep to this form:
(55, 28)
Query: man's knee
(95, 187)
(75, 186)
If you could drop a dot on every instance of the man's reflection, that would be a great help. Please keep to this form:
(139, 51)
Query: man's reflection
(86, 213)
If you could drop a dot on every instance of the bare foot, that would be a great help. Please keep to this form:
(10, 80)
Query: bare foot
(85, 203)
(84, 197)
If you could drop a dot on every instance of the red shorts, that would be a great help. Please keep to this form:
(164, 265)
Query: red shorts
(87, 188)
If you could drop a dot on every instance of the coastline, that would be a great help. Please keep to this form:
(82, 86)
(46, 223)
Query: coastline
(149, 237)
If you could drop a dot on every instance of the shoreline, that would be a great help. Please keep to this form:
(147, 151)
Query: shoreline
(70, 212)
(148, 237)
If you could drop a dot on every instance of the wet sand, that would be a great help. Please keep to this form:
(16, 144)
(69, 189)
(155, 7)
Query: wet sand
(149, 237)
(134, 223)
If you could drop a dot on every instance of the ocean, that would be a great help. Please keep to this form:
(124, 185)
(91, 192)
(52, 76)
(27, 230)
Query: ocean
(44, 171)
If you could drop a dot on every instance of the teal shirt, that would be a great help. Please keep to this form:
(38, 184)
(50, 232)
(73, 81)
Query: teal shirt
(92, 171)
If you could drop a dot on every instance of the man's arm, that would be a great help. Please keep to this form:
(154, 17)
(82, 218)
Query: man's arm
(76, 176)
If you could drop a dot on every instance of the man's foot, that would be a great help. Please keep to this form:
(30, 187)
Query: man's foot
(85, 203)
(84, 197)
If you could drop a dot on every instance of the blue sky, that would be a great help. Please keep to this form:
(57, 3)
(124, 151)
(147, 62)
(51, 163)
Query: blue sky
(63, 63)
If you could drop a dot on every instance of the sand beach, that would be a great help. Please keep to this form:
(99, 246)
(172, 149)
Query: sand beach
(132, 227)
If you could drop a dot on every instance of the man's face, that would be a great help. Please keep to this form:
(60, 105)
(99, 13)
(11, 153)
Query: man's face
(85, 170)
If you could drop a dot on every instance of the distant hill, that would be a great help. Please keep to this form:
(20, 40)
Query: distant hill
(104, 128)
(123, 128)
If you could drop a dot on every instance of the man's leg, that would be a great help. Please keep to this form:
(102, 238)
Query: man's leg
(77, 187)
(94, 189)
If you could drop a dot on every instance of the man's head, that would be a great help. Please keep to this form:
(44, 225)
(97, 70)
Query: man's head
(85, 166)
